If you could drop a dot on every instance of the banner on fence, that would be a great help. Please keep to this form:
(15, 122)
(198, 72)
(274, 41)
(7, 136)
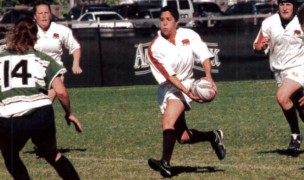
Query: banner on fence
(142, 67)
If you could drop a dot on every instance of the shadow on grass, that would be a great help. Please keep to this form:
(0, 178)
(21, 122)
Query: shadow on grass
(176, 170)
(69, 150)
(285, 152)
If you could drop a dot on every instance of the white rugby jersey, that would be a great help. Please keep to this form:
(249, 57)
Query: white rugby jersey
(54, 39)
(25, 80)
(286, 48)
(167, 59)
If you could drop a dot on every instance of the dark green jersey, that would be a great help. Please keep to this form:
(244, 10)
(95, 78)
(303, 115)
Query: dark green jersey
(25, 80)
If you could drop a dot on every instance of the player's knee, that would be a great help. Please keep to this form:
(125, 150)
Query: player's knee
(62, 94)
(282, 99)
(168, 122)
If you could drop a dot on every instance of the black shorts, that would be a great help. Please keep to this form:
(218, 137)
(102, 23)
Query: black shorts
(38, 126)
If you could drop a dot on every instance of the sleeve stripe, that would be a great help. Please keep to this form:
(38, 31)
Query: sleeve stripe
(260, 37)
(156, 63)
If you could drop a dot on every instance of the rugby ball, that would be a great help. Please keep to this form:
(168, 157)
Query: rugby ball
(203, 89)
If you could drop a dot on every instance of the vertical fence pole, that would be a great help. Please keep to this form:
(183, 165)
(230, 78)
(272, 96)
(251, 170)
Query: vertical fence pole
(100, 55)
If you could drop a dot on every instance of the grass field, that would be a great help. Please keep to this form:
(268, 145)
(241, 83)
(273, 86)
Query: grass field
(122, 129)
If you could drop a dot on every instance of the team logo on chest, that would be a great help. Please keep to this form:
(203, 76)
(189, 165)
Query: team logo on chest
(185, 42)
(56, 36)
(297, 32)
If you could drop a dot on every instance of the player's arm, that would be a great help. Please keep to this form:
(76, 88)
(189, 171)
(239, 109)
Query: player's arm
(64, 99)
(203, 56)
(261, 42)
(71, 43)
(208, 67)
(262, 45)
(76, 61)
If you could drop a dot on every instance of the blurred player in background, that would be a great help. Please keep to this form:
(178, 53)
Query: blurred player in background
(26, 110)
(52, 37)
(172, 54)
(281, 37)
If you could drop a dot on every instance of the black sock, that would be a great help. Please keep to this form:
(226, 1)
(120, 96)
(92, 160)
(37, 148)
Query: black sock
(200, 136)
(295, 98)
(169, 138)
(65, 169)
(292, 119)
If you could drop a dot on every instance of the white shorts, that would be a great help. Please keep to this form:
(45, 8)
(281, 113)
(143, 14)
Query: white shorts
(296, 74)
(167, 91)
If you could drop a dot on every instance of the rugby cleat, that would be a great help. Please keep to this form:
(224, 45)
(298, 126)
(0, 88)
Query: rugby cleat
(161, 166)
(295, 142)
(218, 144)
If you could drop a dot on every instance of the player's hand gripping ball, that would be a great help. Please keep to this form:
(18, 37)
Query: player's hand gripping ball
(203, 89)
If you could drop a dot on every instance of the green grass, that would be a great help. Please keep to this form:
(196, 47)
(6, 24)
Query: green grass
(122, 129)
